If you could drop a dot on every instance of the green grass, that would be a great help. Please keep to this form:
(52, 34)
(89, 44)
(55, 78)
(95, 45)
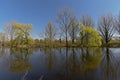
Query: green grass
(114, 43)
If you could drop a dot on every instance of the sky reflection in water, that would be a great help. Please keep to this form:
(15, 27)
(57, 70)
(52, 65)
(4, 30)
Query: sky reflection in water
(60, 64)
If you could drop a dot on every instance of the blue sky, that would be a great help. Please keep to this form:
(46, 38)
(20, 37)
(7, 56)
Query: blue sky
(39, 12)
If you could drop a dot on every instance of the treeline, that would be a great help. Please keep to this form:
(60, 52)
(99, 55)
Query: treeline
(69, 32)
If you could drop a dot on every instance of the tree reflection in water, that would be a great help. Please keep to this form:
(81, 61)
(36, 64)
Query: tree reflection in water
(63, 63)
(72, 62)
(19, 61)
(2, 51)
(109, 65)
(90, 58)
(50, 57)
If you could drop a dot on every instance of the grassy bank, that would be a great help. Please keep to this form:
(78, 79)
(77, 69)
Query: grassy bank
(57, 44)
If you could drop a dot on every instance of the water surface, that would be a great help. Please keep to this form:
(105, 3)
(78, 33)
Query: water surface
(60, 64)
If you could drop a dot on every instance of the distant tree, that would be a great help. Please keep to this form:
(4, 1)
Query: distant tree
(2, 38)
(73, 30)
(9, 31)
(90, 36)
(87, 20)
(64, 18)
(60, 36)
(41, 35)
(117, 24)
(106, 29)
(50, 31)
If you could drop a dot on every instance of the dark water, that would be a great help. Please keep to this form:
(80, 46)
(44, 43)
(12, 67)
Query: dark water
(60, 64)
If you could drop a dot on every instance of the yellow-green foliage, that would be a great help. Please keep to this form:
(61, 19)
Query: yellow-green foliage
(90, 36)
(20, 65)
(20, 62)
(91, 59)
(31, 41)
(22, 29)
(22, 34)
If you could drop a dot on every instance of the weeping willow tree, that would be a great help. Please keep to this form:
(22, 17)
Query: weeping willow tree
(22, 34)
(89, 36)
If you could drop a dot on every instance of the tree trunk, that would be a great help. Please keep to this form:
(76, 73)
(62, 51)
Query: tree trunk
(66, 40)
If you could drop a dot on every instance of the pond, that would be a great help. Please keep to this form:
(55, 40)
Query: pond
(60, 64)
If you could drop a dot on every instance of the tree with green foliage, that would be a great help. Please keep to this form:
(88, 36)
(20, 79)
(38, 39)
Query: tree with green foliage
(22, 34)
(2, 38)
(90, 36)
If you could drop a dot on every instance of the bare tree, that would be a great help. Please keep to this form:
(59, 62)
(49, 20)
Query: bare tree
(117, 24)
(64, 18)
(87, 21)
(73, 30)
(50, 31)
(60, 35)
(2, 38)
(105, 27)
(10, 31)
(41, 35)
